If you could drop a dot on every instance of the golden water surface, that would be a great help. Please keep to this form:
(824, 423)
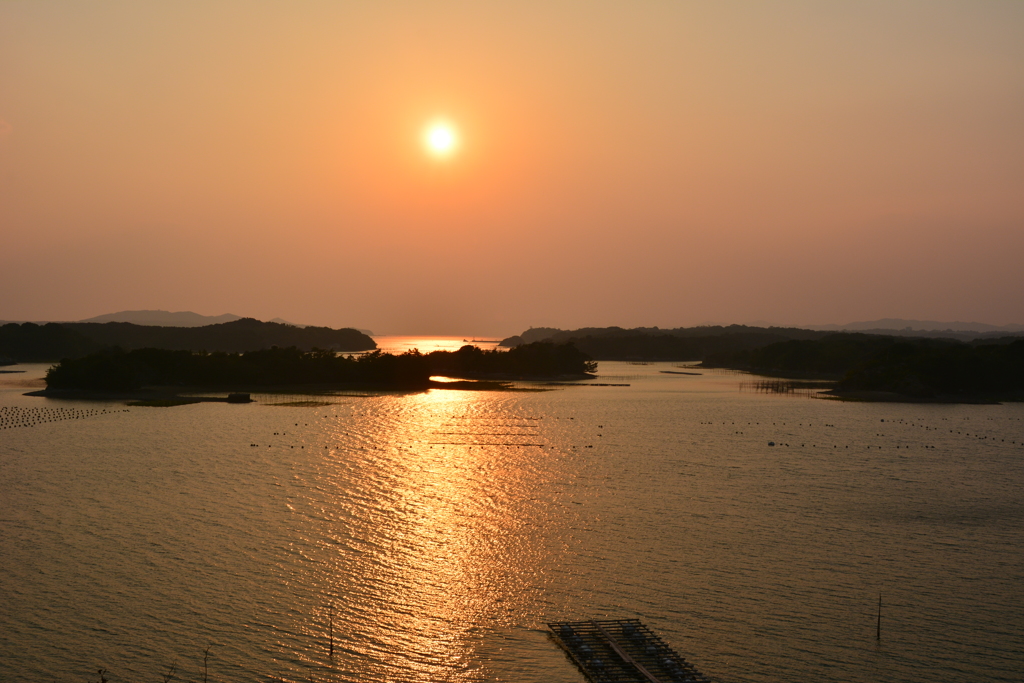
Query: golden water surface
(431, 536)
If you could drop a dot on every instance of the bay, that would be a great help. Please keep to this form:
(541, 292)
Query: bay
(431, 536)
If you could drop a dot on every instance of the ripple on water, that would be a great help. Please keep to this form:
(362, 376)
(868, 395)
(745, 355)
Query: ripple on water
(434, 535)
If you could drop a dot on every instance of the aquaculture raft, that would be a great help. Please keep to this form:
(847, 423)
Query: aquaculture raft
(622, 651)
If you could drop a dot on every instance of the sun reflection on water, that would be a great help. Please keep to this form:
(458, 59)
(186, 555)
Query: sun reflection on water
(438, 547)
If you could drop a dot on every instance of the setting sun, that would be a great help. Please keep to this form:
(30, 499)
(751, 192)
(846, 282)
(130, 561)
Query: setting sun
(440, 139)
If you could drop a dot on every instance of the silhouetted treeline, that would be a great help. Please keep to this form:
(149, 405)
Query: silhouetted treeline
(651, 343)
(921, 368)
(671, 348)
(237, 336)
(32, 343)
(119, 370)
(29, 342)
(540, 359)
(832, 356)
(726, 331)
(956, 370)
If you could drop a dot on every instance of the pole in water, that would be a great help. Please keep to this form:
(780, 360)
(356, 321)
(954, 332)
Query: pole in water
(878, 627)
(330, 626)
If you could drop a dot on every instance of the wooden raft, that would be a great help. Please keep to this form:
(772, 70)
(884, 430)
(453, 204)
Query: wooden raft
(622, 651)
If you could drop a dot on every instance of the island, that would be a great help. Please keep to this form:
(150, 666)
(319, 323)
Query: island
(965, 368)
(884, 368)
(33, 343)
(652, 344)
(164, 374)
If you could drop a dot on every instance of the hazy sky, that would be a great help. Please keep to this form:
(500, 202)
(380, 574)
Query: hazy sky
(620, 163)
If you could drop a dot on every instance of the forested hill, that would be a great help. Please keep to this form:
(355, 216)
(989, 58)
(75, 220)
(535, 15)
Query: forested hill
(923, 370)
(651, 343)
(728, 344)
(919, 368)
(828, 358)
(32, 343)
(119, 370)
(245, 334)
(29, 342)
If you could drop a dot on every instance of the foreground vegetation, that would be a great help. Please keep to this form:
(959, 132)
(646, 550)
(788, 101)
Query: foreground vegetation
(116, 370)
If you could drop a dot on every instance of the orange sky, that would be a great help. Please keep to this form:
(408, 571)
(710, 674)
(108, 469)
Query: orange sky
(648, 163)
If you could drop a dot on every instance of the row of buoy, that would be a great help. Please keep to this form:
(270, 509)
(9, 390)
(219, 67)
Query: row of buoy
(960, 432)
(814, 445)
(918, 423)
(774, 424)
(469, 445)
(497, 416)
(432, 445)
(517, 426)
(14, 416)
(901, 421)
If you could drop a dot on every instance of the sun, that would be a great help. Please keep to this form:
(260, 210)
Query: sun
(440, 139)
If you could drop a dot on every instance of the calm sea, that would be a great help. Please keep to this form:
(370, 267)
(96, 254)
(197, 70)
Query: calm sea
(431, 536)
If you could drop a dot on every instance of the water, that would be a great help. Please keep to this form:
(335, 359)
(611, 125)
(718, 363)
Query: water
(396, 344)
(436, 533)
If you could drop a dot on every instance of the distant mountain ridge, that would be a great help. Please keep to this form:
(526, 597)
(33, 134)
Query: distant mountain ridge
(158, 318)
(896, 327)
(244, 334)
(30, 342)
(698, 343)
(164, 318)
(652, 343)
(901, 325)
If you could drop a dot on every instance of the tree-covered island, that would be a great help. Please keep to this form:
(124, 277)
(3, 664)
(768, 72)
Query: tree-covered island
(115, 371)
(33, 343)
(865, 366)
(872, 367)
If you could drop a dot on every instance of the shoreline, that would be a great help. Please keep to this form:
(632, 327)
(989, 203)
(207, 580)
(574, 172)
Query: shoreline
(878, 396)
(142, 395)
(866, 396)
(196, 394)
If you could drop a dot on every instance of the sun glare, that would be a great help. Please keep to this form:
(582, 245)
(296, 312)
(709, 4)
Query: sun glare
(440, 139)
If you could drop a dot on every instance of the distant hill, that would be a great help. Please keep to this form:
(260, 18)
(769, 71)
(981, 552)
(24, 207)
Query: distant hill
(165, 318)
(30, 342)
(534, 334)
(285, 322)
(916, 368)
(178, 319)
(892, 325)
(244, 334)
(652, 343)
(697, 343)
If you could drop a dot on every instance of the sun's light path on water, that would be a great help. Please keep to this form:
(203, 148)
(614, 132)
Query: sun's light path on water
(440, 139)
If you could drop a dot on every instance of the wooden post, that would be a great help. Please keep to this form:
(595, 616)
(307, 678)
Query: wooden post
(878, 627)
(330, 627)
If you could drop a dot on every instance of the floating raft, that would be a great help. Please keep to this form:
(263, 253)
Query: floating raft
(622, 651)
